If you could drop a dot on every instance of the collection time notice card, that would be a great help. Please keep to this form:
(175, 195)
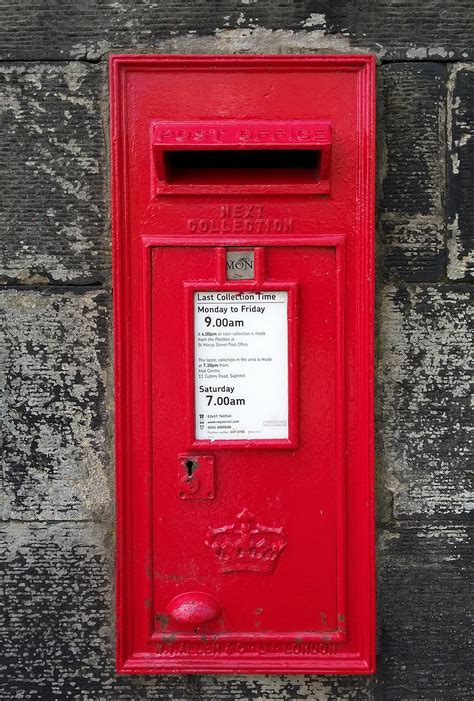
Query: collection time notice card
(241, 365)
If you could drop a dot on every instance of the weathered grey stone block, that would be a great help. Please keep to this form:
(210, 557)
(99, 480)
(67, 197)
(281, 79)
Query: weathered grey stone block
(424, 388)
(52, 162)
(424, 602)
(461, 173)
(54, 410)
(401, 31)
(412, 169)
(286, 688)
(413, 98)
(57, 631)
(413, 249)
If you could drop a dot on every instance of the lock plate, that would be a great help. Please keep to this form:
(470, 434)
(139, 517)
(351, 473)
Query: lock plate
(196, 477)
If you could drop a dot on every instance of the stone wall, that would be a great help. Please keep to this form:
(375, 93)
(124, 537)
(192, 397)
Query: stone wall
(57, 503)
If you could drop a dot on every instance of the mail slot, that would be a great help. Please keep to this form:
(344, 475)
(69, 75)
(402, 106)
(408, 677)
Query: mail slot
(243, 193)
(242, 157)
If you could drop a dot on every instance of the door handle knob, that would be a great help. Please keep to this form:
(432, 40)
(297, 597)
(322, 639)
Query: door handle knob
(193, 607)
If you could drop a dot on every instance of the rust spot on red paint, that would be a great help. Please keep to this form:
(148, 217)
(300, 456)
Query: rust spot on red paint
(163, 620)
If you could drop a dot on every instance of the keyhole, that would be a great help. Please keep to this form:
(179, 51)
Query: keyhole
(190, 464)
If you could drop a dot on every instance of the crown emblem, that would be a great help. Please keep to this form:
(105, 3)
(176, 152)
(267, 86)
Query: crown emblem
(246, 547)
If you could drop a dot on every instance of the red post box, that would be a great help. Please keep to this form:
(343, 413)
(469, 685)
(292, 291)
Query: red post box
(243, 192)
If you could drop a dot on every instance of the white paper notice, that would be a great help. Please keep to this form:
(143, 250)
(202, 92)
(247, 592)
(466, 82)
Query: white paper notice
(241, 365)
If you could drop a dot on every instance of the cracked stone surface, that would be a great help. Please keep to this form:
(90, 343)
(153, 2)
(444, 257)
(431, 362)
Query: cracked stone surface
(424, 420)
(52, 174)
(424, 603)
(55, 450)
(432, 30)
(412, 111)
(460, 169)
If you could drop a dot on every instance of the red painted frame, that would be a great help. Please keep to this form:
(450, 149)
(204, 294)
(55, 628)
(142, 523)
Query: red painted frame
(221, 283)
(292, 441)
(132, 266)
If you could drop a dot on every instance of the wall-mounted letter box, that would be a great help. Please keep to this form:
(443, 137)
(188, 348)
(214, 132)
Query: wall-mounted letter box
(243, 286)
